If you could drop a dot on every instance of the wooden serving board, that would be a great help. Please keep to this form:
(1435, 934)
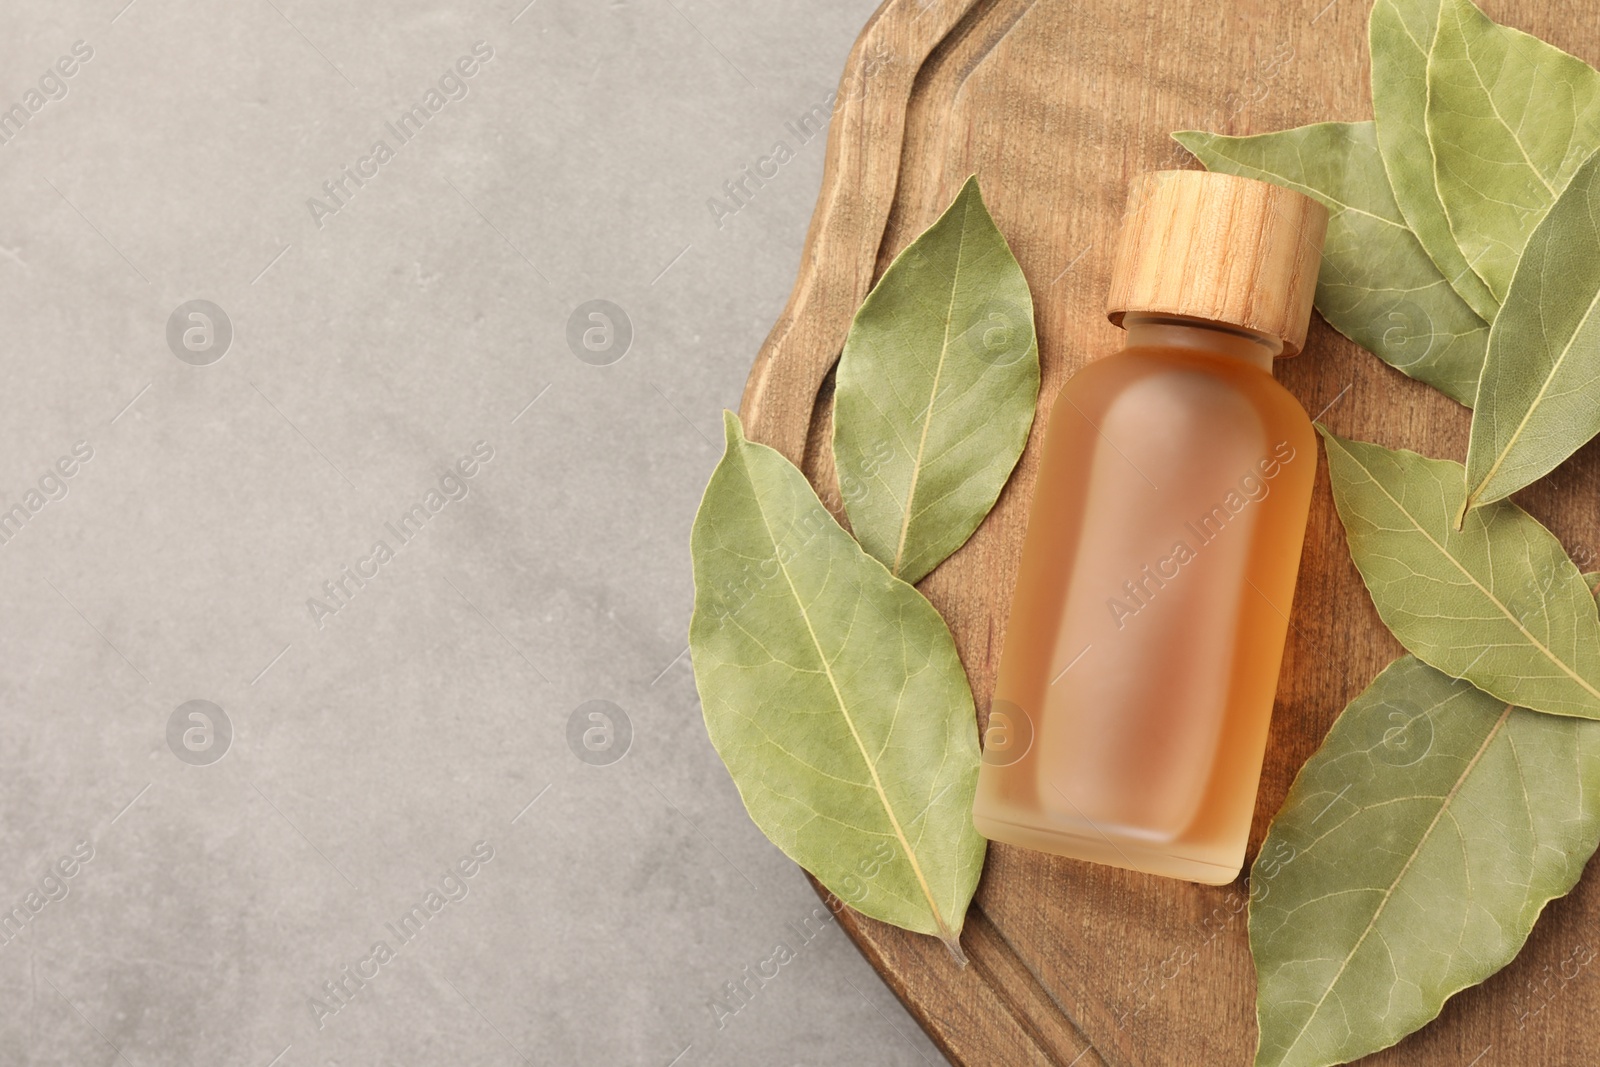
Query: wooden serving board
(1055, 105)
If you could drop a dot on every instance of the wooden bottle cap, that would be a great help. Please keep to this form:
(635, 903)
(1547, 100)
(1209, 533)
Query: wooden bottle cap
(1219, 247)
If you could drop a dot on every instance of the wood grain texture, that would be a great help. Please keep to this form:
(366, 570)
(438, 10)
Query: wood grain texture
(1219, 247)
(1056, 105)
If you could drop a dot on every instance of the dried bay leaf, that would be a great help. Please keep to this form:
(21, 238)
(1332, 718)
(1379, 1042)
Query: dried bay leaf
(1511, 119)
(833, 692)
(936, 390)
(1497, 602)
(1410, 860)
(1400, 35)
(1539, 399)
(1377, 285)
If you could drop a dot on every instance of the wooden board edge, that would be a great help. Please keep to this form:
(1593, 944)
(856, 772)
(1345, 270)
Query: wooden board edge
(865, 137)
(993, 1010)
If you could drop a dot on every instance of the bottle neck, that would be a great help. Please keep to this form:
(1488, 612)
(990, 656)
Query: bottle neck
(1202, 335)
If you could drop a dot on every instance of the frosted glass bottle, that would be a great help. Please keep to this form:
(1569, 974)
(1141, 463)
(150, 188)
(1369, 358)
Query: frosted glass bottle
(1153, 597)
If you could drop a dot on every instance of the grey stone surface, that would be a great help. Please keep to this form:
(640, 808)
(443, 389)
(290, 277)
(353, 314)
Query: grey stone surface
(251, 793)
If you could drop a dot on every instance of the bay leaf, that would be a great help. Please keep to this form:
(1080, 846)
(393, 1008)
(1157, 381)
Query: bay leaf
(1539, 398)
(1511, 119)
(1377, 285)
(936, 390)
(1410, 860)
(1400, 36)
(833, 692)
(1497, 602)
